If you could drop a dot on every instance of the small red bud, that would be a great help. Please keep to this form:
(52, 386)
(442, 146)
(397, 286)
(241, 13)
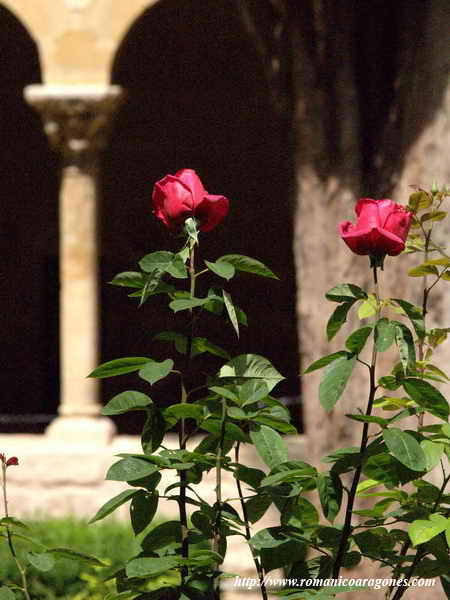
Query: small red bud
(13, 461)
(2, 458)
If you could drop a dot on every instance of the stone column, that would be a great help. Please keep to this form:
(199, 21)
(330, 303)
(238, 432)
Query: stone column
(76, 120)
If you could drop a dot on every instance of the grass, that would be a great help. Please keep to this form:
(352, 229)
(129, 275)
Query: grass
(111, 541)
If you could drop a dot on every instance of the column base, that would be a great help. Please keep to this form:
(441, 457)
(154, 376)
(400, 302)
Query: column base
(81, 430)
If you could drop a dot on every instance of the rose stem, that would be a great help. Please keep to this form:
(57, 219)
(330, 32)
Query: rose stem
(248, 534)
(346, 532)
(182, 432)
(10, 539)
(219, 456)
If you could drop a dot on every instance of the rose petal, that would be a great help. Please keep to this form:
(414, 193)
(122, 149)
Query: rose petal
(399, 222)
(172, 201)
(211, 211)
(374, 241)
(190, 178)
(368, 213)
(385, 208)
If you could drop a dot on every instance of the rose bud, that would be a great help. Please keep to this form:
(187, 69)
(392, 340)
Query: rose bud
(381, 228)
(13, 461)
(2, 458)
(180, 196)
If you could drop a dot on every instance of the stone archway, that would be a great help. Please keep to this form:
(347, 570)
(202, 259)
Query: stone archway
(28, 243)
(197, 97)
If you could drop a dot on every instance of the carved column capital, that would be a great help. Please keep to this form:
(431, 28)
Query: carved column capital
(76, 118)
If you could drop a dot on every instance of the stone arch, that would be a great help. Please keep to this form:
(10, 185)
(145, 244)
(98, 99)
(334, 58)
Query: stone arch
(197, 97)
(28, 241)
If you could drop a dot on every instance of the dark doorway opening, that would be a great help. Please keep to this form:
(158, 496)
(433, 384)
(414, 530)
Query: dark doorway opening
(197, 98)
(29, 363)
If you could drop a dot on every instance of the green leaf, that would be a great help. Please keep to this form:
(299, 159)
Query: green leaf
(270, 446)
(384, 334)
(221, 268)
(150, 567)
(326, 360)
(251, 366)
(387, 470)
(365, 485)
(112, 504)
(247, 265)
(131, 279)
(368, 308)
(414, 314)
(125, 402)
(179, 340)
(405, 344)
(405, 448)
(187, 303)
(435, 215)
(338, 318)
(223, 392)
(334, 380)
(6, 593)
(330, 494)
(154, 371)
(285, 476)
(369, 419)
(445, 582)
(253, 391)
(427, 396)
(41, 562)
(161, 536)
(156, 261)
(257, 506)
(421, 531)
(423, 270)
(443, 261)
(357, 340)
(143, 509)
(249, 475)
(12, 521)
(153, 431)
(75, 555)
(230, 310)
(200, 345)
(185, 411)
(345, 292)
(119, 366)
(177, 268)
(129, 469)
(152, 283)
(433, 453)
(299, 513)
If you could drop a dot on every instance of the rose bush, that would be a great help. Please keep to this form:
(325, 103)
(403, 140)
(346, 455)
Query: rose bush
(181, 196)
(381, 228)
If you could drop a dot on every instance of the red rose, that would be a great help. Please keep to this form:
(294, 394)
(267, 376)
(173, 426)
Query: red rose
(381, 228)
(180, 196)
(10, 461)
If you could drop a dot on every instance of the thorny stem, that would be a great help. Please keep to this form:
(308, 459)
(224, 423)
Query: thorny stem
(219, 456)
(347, 529)
(182, 433)
(21, 569)
(426, 292)
(248, 534)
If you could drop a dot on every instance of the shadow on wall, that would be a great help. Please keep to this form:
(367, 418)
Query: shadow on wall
(197, 98)
(29, 367)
